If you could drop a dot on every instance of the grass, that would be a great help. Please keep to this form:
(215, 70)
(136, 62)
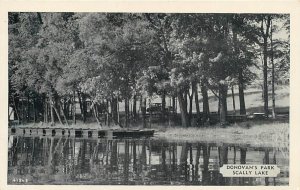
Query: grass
(254, 133)
(254, 100)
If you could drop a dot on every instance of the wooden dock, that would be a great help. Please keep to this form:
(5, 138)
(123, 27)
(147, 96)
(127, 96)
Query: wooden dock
(81, 132)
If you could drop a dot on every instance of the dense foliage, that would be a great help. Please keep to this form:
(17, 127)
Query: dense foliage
(58, 59)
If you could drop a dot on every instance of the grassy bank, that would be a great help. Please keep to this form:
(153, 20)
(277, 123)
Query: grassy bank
(255, 133)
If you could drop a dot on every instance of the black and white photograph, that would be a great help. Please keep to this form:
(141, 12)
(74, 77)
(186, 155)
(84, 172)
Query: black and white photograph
(148, 98)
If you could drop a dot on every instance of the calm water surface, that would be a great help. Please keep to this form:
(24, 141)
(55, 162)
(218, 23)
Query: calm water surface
(54, 160)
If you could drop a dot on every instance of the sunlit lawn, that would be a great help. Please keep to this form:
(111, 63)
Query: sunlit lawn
(255, 133)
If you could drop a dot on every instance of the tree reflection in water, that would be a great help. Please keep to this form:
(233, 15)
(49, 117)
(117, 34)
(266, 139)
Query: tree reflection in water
(49, 160)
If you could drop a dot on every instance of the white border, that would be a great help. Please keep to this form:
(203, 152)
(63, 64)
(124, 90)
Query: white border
(221, 6)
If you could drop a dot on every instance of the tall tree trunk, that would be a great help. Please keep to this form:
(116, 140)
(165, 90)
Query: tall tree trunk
(273, 74)
(51, 109)
(131, 111)
(23, 110)
(107, 113)
(150, 113)
(197, 100)
(219, 103)
(34, 110)
(64, 115)
(81, 106)
(10, 112)
(143, 104)
(205, 102)
(46, 110)
(104, 112)
(118, 108)
(69, 108)
(163, 105)
(114, 109)
(74, 108)
(233, 100)
(169, 112)
(265, 60)
(16, 109)
(265, 73)
(183, 110)
(186, 100)
(134, 108)
(95, 114)
(66, 108)
(241, 93)
(28, 109)
(84, 106)
(126, 112)
(240, 70)
(191, 96)
(223, 103)
(57, 113)
(174, 104)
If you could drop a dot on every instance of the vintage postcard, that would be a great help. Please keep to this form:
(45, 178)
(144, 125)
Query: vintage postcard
(149, 95)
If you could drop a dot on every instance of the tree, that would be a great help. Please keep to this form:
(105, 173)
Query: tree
(162, 25)
(221, 68)
(119, 48)
(189, 47)
(279, 51)
(58, 58)
(265, 29)
(23, 36)
(258, 31)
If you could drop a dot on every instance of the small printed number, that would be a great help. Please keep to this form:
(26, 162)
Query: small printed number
(19, 180)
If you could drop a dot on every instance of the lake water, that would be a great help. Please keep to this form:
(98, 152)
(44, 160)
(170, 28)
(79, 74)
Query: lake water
(151, 161)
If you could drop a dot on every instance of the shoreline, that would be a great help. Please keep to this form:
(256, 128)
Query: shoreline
(273, 134)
